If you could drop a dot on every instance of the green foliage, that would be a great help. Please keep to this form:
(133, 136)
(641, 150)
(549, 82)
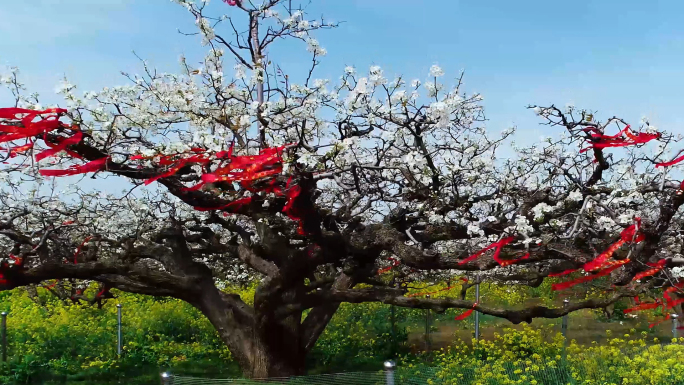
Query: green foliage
(359, 337)
(78, 342)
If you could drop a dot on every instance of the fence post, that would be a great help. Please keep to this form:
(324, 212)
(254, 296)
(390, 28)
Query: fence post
(477, 313)
(427, 327)
(118, 334)
(675, 324)
(166, 378)
(564, 326)
(564, 323)
(390, 366)
(4, 335)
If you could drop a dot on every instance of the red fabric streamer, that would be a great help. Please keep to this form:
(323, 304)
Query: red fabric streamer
(465, 314)
(651, 326)
(177, 166)
(670, 163)
(604, 272)
(93, 166)
(18, 261)
(246, 170)
(254, 167)
(504, 262)
(14, 151)
(643, 306)
(600, 140)
(102, 292)
(498, 245)
(193, 188)
(395, 263)
(11, 112)
(674, 303)
(672, 289)
(657, 267)
(630, 234)
(61, 146)
(78, 250)
(660, 263)
(564, 272)
(601, 260)
(53, 284)
(30, 128)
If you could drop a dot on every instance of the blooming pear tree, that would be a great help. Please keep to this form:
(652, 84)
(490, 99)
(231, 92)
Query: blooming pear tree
(322, 191)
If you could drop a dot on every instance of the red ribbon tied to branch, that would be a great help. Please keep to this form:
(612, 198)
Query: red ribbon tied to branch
(395, 263)
(656, 267)
(602, 263)
(28, 127)
(611, 266)
(93, 166)
(466, 313)
(599, 140)
(669, 303)
(16, 150)
(497, 246)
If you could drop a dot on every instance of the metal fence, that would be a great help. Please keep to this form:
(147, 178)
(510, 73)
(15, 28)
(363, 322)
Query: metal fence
(525, 372)
(389, 376)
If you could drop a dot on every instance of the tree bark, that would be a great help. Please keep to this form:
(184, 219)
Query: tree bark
(262, 345)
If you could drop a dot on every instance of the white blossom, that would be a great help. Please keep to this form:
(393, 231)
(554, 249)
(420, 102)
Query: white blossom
(436, 71)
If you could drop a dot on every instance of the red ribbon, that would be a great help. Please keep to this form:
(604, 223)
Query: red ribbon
(643, 306)
(657, 267)
(601, 260)
(667, 317)
(395, 263)
(18, 261)
(564, 272)
(14, 151)
(465, 314)
(102, 292)
(604, 272)
(95, 165)
(29, 128)
(670, 163)
(672, 289)
(177, 166)
(12, 112)
(61, 146)
(498, 245)
(78, 250)
(630, 234)
(600, 140)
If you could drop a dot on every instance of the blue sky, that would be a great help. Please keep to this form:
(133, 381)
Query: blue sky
(618, 57)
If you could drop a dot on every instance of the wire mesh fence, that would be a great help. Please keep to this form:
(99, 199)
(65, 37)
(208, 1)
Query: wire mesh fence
(652, 365)
(398, 377)
(360, 378)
